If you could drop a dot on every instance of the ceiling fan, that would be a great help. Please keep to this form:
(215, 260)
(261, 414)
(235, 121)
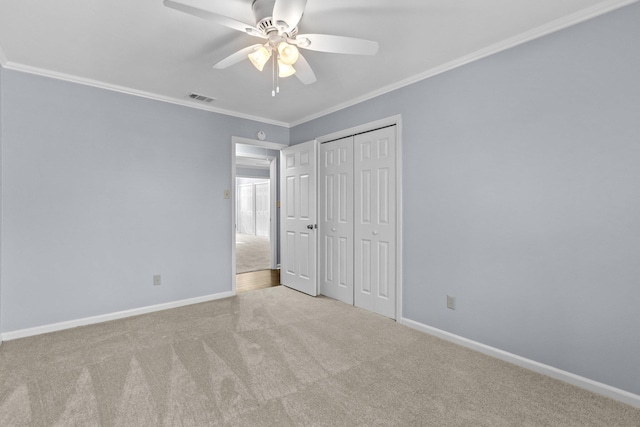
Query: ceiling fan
(277, 23)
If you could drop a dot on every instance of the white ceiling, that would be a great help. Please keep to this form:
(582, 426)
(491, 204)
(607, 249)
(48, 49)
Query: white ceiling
(146, 48)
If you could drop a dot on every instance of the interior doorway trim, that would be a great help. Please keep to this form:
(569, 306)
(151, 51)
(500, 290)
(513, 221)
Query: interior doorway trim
(273, 202)
(388, 121)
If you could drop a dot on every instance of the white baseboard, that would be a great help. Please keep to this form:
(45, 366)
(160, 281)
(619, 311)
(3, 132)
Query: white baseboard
(23, 333)
(582, 382)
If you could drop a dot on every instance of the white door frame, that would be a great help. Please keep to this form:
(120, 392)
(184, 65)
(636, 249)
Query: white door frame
(389, 121)
(273, 202)
(274, 236)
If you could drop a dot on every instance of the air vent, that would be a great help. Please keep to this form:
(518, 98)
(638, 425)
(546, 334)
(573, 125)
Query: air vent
(200, 98)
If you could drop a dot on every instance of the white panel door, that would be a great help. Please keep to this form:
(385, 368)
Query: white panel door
(375, 221)
(263, 216)
(335, 225)
(298, 217)
(246, 220)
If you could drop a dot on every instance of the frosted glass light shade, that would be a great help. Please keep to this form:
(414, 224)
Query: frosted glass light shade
(260, 57)
(288, 53)
(285, 70)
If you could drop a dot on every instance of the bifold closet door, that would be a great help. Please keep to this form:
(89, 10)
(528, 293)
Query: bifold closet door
(375, 221)
(336, 219)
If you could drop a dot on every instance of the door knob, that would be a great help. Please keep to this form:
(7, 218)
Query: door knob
(333, 229)
(375, 233)
(310, 226)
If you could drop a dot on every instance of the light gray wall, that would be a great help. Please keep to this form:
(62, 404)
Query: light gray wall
(522, 197)
(103, 190)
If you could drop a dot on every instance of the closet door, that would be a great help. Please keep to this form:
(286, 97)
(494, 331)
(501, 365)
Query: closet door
(375, 221)
(336, 219)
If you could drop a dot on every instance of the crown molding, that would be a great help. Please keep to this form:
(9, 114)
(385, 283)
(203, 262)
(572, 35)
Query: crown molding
(129, 91)
(543, 30)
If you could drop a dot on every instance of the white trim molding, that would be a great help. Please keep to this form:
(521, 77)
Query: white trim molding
(135, 92)
(559, 24)
(257, 143)
(23, 333)
(577, 380)
(543, 30)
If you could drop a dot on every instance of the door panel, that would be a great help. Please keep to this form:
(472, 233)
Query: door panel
(336, 219)
(305, 201)
(290, 249)
(375, 224)
(298, 172)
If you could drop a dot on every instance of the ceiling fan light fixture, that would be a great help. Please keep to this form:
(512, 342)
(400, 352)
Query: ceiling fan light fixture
(260, 57)
(288, 53)
(285, 70)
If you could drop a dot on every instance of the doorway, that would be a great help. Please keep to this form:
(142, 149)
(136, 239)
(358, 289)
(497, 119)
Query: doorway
(253, 219)
(255, 238)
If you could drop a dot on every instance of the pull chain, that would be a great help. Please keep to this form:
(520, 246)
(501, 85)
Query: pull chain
(275, 60)
(273, 79)
(276, 74)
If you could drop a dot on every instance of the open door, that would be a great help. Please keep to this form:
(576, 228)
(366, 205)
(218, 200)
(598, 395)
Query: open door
(298, 216)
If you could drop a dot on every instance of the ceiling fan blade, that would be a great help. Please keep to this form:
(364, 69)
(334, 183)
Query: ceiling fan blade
(304, 73)
(214, 17)
(289, 11)
(234, 58)
(336, 44)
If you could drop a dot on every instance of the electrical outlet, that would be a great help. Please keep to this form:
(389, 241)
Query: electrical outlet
(451, 302)
(227, 194)
(156, 280)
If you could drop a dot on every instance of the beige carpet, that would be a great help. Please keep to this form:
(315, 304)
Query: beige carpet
(253, 253)
(275, 357)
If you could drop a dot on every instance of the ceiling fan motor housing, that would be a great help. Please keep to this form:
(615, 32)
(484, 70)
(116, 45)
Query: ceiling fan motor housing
(263, 13)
